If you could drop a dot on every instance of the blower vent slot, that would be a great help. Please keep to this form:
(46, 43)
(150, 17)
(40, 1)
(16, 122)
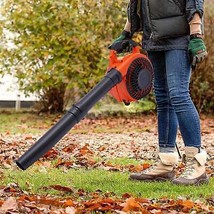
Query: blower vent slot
(139, 78)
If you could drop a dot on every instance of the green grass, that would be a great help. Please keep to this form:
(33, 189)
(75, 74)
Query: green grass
(107, 108)
(123, 161)
(35, 181)
(24, 122)
(33, 123)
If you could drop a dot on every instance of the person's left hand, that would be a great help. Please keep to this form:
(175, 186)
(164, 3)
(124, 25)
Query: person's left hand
(197, 50)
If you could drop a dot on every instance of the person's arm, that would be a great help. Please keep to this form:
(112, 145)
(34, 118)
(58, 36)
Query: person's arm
(196, 25)
(194, 7)
(197, 48)
(127, 26)
(129, 29)
(125, 35)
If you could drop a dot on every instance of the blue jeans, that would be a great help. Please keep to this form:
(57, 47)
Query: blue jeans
(174, 105)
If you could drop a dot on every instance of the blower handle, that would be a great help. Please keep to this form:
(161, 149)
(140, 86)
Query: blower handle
(71, 118)
(123, 46)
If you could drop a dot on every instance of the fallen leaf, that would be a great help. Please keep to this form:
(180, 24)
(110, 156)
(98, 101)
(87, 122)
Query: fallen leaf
(70, 210)
(69, 203)
(85, 150)
(9, 205)
(132, 205)
(188, 204)
(61, 188)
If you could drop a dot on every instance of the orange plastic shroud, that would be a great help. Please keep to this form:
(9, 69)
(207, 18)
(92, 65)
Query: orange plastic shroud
(120, 91)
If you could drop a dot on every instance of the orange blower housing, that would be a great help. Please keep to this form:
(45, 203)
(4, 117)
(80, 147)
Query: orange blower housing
(137, 75)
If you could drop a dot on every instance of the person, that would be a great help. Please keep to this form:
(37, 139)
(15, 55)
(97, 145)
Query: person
(173, 38)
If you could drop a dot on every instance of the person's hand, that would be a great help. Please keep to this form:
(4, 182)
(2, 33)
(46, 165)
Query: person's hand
(117, 45)
(197, 50)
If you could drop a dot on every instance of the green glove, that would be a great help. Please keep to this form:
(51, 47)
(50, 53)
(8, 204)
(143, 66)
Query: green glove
(197, 50)
(125, 35)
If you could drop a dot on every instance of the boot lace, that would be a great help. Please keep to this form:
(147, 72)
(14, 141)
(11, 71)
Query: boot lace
(189, 169)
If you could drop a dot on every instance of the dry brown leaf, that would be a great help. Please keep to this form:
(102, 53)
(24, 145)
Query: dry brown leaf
(188, 204)
(85, 150)
(9, 205)
(70, 210)
(61, 188)
(132, 205)
(51, 154)
(69, 203)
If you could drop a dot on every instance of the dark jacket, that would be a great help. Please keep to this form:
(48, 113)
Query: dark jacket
(164, 22)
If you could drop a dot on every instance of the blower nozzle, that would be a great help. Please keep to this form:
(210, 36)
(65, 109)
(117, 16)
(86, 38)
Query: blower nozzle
(128, 79)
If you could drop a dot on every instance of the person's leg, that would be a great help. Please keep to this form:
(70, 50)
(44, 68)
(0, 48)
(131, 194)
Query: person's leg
(167, 126)
(167, 120)
(178, 72)
(178, 77)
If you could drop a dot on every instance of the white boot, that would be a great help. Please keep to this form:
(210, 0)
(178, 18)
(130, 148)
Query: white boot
(194, 172)
(162, 171)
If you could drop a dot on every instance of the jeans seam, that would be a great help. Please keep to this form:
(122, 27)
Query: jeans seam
(167, 128)
(195, 115)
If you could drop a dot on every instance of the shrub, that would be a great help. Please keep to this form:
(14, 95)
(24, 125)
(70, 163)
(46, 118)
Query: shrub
(58, 45)
(202, 83)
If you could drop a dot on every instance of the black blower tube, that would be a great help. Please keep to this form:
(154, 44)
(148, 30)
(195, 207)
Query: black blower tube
(72, 117)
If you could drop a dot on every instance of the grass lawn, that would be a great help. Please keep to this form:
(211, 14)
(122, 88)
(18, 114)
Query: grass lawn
(37, 180)
(21, 123)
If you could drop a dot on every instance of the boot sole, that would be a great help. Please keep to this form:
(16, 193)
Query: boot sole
(202, 181)
(198, 183)
(158, 179)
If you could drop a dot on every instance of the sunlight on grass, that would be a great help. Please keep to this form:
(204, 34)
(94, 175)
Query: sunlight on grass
(37, 179)
(33, 123)
(123, 161)
(22, 123)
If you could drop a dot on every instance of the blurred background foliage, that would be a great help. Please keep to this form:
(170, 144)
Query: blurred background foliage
(202, 84)
(58, 49)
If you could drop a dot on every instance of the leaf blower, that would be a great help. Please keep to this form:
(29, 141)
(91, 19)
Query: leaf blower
(128, 78)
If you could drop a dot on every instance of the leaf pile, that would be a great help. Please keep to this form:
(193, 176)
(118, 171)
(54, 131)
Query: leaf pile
(95, 150)
(14, 200)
